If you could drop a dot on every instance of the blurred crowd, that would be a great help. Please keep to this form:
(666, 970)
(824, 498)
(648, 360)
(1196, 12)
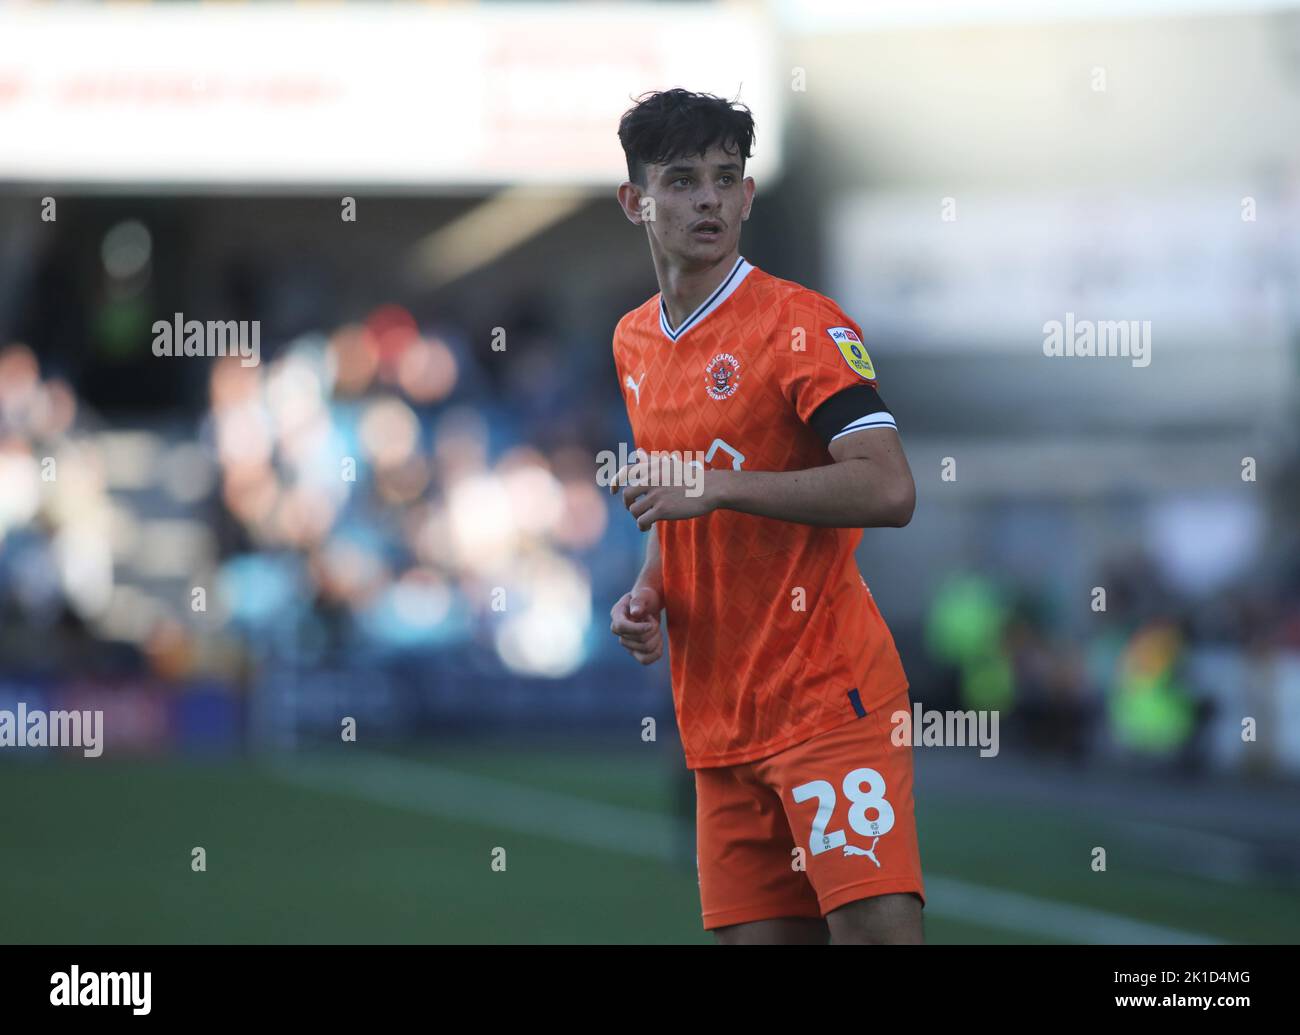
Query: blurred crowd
(378, 491)
(386, 490)
(1149, 679)
(372, 490)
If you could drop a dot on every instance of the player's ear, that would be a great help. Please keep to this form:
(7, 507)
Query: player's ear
(629, 199)
(749, 197)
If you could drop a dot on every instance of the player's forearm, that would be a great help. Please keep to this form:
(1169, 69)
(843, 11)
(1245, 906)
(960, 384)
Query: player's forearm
(652, 570)
(852, 493)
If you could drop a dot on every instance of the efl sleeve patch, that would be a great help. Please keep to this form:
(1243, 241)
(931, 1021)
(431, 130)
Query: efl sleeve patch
(854, 352)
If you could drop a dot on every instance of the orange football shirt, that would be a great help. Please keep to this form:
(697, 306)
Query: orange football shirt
(773, 635)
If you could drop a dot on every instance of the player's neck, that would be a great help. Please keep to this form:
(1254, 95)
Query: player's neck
(683, 289)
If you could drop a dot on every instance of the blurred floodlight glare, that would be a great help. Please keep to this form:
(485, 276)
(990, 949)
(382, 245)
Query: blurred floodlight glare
(126, 249)
(586, 514)
(354, 357)
(249, 492)
(307, 449)
(545, 637)
(1202, 543)
(429, 536)
(389, 431)
(233, 384)
(19, 378)
(244, 434)
(426, 371)
(130, 458)
(483, 524)
(79, 493)
(86, 566)
(128, 614)
(56, 410)
(393, 330)
(303, 516)
(421, 599)
(403, 483)
(21, 497)
(173, 547)
(349, 572)
(524, 473)
(293, 393)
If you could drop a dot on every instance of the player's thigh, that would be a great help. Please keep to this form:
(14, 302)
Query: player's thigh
(748, 867)
(847, 794)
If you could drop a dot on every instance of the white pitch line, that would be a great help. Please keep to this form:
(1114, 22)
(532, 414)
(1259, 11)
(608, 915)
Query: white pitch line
(485, 801)
(1012, 911)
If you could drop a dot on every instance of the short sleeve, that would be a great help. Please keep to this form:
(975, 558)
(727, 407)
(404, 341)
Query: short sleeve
(827, 374)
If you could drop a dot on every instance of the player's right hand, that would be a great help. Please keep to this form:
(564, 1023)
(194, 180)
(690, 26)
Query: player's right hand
(635, 621)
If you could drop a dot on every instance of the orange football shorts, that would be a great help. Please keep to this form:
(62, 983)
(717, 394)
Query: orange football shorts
(804, 831)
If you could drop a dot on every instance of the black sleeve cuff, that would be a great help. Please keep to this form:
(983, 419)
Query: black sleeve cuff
(854, 409)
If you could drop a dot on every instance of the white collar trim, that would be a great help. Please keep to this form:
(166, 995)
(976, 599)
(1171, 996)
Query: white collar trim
(723, 291)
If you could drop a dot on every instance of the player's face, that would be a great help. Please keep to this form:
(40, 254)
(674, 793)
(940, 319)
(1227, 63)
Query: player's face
(700, 203)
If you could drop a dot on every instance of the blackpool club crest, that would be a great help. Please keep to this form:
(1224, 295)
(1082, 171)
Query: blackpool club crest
(722, 376)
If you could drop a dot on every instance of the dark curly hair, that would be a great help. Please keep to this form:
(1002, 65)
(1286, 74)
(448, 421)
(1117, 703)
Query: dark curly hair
(676, 123)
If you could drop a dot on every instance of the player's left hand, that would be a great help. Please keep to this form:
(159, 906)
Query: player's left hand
(686, 497)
